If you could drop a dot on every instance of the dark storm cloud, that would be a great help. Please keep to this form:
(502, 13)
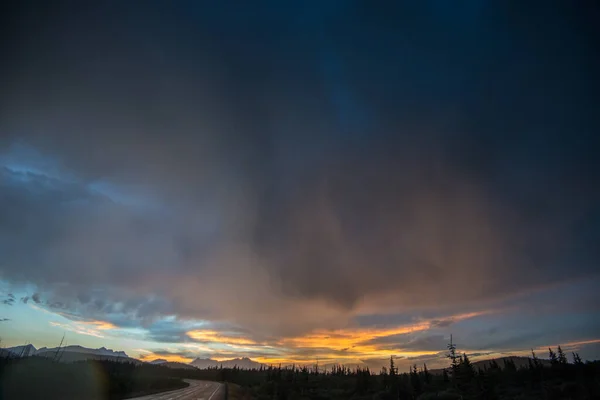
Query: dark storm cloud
(442, 323)
(173, 336)
(291, 158)
(383, 320)
(170, 331)
(167, 353)
(409, 342)
(9, 300)
(127, 309)
(47, 217)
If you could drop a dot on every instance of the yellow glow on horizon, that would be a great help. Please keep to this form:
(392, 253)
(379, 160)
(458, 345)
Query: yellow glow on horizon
(169, 357)
(327, 358)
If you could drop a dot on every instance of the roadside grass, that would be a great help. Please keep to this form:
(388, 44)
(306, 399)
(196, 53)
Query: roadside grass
(236, 392)
(43, 378)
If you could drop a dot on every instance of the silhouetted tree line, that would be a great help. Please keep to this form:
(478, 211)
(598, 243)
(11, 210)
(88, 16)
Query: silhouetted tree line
(555, 378)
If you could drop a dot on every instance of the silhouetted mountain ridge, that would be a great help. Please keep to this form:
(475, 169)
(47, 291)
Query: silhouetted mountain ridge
(520, 362)
(79, 353)
(242, 363)
(102, 351)
(68, 353)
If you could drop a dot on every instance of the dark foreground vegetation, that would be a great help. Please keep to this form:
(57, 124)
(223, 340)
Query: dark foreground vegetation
(551, 379)
(461, 381)
(555, 378)
(44, 378)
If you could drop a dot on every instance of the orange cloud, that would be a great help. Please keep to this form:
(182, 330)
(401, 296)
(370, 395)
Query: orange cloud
(329, 346)
(569, 346)
(89, 328)
(354, 357)
(217, 337)
(582, 343)
(352, 345)
(350, 339)
(355, 338)
(101, 325)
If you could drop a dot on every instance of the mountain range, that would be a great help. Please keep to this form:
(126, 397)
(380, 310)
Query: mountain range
(68, 353)
(158, 361)
(80, 353)
(242, 363)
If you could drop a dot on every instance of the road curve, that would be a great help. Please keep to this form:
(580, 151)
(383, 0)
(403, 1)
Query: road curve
(198, 390)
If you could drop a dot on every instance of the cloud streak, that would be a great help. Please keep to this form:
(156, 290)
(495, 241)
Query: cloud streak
(90, 328)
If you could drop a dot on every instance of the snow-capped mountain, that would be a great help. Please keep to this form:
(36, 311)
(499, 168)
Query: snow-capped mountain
(67, 353)
(79, 353)
(19, 351)
(102, 351)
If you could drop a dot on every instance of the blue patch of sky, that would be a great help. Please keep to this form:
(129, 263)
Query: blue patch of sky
(543, 330)
(20, 158)
(460, 13)
(25, 164)
(36, 324)
(123, 195)
(295, 13)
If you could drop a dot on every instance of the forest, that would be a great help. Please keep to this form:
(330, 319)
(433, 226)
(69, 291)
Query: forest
(549, 379)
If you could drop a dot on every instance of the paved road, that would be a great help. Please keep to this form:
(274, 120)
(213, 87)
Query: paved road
(198, 390)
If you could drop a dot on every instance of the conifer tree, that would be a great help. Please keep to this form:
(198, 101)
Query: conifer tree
(466, 367)
(494, 365)
(426, 374)
(454, 359)
(562, 358)
(415, 381)
(536, 361)
(552, 357)
(393, 368)
(509, 365)
(393, 377)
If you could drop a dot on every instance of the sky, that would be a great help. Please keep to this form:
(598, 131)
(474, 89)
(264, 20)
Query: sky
(301, 181)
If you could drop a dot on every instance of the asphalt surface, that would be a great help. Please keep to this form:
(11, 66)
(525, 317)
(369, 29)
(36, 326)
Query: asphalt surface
(198, 390)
